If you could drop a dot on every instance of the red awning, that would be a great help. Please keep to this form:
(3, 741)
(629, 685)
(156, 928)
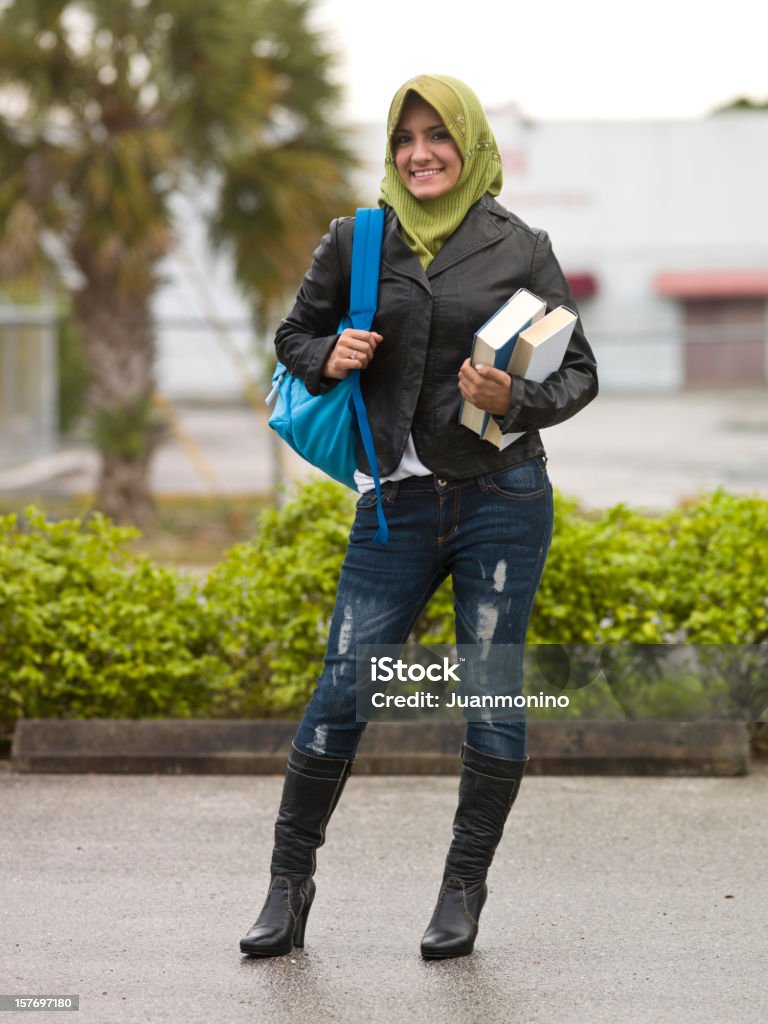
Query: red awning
(583, 285)
(712, 284)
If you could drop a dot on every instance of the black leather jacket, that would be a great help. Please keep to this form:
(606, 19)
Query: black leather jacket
(428, 321)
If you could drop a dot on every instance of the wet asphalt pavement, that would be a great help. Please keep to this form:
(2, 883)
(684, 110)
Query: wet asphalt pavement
(632, 900)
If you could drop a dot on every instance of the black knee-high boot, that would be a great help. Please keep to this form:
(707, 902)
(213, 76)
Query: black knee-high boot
(487, 790)
(312, 788)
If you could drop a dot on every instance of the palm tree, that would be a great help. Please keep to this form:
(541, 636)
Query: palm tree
(107, 107)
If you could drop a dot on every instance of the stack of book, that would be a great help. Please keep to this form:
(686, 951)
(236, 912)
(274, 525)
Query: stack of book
(521, 340)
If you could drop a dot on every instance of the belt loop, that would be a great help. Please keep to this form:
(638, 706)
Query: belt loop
(482, 482)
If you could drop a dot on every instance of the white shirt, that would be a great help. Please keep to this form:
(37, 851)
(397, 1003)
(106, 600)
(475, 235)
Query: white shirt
(409, 465)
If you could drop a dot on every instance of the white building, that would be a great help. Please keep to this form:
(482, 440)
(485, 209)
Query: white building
(662, 228)
(28, 392)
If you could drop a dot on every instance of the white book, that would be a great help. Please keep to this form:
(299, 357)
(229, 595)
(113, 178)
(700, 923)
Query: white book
(494, 344)
(539, 351)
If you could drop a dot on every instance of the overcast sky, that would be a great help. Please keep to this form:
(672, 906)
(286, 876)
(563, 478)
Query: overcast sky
(557, 59)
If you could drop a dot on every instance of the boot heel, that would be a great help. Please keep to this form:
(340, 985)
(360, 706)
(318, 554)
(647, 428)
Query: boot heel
(301, 924)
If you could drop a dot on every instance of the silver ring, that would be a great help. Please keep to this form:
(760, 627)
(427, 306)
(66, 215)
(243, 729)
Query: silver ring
(353, 355)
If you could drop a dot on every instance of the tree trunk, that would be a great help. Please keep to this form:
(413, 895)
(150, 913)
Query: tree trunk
(119, 346)
(123, 492)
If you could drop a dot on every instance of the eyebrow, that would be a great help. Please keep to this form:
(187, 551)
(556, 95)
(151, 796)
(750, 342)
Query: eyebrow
(431, 128)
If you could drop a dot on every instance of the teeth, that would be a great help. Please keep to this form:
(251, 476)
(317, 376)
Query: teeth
(425, 174)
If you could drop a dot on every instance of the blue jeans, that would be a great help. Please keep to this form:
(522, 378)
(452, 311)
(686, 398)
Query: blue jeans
(490, 533)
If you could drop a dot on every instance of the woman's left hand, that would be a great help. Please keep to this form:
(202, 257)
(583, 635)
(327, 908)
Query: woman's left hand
(486, 387)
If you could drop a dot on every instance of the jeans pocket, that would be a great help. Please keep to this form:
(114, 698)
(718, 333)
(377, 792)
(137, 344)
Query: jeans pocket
(525, 480)
(367, 500)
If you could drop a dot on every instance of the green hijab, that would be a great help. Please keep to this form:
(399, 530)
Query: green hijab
(428, 223)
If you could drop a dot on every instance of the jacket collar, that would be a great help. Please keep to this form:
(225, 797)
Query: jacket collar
(481, 228)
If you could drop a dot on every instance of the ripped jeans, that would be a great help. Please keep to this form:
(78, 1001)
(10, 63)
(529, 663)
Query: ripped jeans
(490, 533)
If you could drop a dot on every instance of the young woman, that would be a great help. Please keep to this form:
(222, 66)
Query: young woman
(455, 505)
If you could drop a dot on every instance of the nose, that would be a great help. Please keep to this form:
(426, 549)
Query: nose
(421, 150)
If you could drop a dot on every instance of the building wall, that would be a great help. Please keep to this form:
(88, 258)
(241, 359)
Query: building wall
(205, 338)
(630, 201)
(28, 385)
(624, 202)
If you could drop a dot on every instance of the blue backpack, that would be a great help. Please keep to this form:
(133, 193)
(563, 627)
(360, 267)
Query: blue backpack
(323, 429)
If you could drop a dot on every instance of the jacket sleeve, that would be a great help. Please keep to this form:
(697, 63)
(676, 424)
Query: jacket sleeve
(535, 405)
(305, 338)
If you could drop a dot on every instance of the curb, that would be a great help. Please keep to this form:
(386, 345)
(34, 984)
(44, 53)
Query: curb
(236, 747)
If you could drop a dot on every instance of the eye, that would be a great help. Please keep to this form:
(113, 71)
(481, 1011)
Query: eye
(442, 136)
(400, 139)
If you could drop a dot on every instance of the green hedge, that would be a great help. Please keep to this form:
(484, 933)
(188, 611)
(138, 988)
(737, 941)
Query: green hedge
(89, 629)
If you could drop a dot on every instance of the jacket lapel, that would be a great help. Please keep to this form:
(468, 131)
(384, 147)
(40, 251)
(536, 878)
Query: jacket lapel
(477, 231)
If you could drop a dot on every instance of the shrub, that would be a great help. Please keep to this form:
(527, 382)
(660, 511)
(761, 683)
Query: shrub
(88, 630)
(612, 577)
(694, 575)
(271, 599)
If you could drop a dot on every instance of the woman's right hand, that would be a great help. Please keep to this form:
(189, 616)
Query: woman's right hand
(353, 351)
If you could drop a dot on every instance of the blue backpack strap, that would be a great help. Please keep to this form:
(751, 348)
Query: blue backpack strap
(366, 261)
(363, 299)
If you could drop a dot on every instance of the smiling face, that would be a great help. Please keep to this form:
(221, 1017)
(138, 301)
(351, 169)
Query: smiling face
(426, 157)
